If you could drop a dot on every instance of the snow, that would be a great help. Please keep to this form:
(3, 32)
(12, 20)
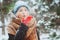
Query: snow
(56, 1)
(44, 36)
(1, 0)
(3, 37)
(0, 23)
(0, 34)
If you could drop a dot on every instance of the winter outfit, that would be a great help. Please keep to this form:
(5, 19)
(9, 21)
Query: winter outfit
(21, 31)
(31, 33)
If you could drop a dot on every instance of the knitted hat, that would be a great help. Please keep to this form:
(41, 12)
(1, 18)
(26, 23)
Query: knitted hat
(19, 4)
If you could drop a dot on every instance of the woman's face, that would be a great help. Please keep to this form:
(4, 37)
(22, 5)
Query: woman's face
(22, 12)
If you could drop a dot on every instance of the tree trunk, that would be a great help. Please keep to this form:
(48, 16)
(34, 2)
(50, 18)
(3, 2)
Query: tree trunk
(2, 18)
(3, 25)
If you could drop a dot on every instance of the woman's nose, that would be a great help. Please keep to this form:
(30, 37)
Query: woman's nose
(23, 14)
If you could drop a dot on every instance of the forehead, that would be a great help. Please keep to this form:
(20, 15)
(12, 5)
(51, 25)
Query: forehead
(22, 8)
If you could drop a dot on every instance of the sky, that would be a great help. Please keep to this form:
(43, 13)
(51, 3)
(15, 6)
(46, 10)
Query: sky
(1, 0)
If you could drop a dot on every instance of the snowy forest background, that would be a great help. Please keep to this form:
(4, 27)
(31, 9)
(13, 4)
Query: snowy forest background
(47, 13)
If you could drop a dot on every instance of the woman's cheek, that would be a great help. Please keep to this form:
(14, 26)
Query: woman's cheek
(27, 14)
(19, 15)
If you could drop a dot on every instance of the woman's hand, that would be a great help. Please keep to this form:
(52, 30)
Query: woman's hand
(16, 20)
(27, 20)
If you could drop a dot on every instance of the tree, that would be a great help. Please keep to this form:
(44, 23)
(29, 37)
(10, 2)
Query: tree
(6, 6)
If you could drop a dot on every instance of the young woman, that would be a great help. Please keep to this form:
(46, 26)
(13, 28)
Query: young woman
(23, 27)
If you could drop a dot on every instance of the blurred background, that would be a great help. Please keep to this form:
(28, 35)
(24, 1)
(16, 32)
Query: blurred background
(47, 13)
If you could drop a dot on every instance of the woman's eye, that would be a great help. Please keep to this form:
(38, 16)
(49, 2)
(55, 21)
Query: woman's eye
(25, 10)
(20, 10)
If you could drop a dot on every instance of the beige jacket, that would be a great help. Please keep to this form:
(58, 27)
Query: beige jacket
(31, 33)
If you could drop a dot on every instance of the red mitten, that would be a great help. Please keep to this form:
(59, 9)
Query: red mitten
(27, 20)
